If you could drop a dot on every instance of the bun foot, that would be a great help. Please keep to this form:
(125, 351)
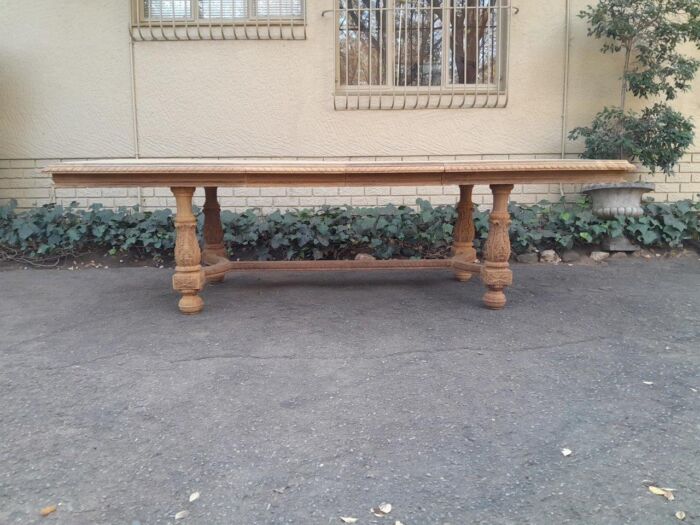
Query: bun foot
(463, 276)
(191, 304)
(494, 299)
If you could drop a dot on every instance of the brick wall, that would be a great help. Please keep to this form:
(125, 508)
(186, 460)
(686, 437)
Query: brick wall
(21, 179)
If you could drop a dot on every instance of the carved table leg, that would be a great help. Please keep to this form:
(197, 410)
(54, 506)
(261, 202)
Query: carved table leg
(189, 277)
(213, 232)
(463, 244)
(495, 272)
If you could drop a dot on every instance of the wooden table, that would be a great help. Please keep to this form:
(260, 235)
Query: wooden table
(184, 176)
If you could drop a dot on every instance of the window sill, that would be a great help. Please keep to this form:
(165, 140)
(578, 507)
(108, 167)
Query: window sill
(248, 29)
(428, 99)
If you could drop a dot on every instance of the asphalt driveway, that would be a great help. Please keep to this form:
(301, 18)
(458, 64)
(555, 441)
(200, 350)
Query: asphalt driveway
(300, 398)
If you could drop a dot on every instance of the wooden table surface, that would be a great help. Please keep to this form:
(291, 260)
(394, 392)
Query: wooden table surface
(197, 172)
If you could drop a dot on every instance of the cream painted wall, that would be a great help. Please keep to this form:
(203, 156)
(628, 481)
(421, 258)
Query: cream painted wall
(64, 79)
(65, 91)
(274, 98)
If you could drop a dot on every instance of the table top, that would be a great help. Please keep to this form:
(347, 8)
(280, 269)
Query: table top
(207, 172)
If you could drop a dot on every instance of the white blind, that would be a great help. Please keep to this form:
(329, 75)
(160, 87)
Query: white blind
(223, 9)
(220, 9)
(168, 9)
(278, 7)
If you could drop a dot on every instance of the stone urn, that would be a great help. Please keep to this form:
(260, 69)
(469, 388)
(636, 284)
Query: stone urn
(612, 200)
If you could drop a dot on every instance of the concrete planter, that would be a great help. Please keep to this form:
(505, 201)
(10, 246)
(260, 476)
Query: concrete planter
(611, 200)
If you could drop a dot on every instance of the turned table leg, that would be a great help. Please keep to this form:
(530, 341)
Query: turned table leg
(189, 277)
(213, 231)
(495, 272)
(463, 244)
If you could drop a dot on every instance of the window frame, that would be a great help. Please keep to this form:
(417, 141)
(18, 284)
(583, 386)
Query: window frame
(445, 88)
(140, 19)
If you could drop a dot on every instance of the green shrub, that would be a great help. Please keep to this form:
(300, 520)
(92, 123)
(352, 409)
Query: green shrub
(52, 232)
(657, 137)
(650, 35)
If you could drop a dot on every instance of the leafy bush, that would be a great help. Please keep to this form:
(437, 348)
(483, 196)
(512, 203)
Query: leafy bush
(658, 136)
(648, 33)
(53, 232)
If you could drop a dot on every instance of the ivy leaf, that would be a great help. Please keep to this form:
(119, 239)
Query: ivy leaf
(277, 241)
(25, 231)
(649, 237)
(304, 238)
(73, 234)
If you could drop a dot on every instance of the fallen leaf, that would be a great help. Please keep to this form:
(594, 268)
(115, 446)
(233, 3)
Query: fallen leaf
(48, 510)
(347, 519)
(680, 515)
(182, 514)
(668, 494)
(382, 510)
(566, 452)
(194, 496)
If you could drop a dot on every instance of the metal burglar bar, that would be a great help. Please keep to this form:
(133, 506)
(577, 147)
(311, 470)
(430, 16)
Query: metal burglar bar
(421, 54)
(173, 20)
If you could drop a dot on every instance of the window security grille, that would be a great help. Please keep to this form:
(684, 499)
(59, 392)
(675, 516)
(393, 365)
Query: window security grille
(421, 54)
(154, 20)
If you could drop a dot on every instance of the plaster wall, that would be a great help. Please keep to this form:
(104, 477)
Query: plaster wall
(66, 93)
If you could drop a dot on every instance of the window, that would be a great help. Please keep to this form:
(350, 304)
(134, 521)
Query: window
(410, 54)
(218, 19)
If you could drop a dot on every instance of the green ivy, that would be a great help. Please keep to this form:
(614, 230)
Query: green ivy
(52, 231)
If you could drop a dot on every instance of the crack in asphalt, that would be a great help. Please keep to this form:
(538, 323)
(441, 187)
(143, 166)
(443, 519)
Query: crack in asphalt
(294, 357)
(383, 356)
(79, 363)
